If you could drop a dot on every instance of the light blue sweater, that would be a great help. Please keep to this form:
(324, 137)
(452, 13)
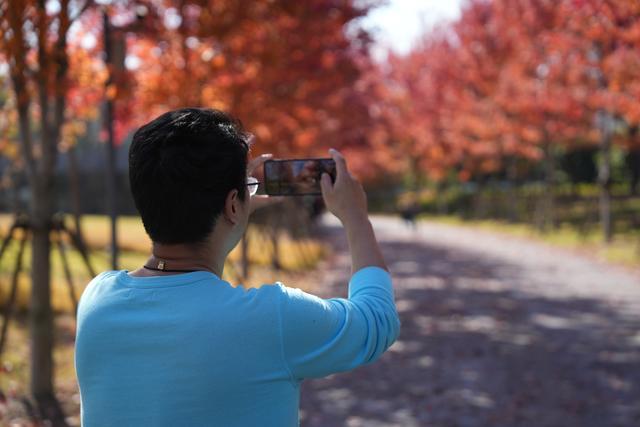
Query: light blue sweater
(192, 350)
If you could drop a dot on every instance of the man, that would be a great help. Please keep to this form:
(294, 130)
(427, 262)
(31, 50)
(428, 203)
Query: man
(171, 343)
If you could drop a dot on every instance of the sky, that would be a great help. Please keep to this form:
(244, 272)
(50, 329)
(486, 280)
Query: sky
(398, 24)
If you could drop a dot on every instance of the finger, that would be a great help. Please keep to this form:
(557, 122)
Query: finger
(257, 162)
(341, 163)
(325, 184)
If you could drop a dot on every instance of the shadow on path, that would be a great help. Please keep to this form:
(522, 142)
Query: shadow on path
(479, 349)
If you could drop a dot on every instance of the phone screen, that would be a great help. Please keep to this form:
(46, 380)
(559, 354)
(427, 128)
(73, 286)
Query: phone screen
(296, 177)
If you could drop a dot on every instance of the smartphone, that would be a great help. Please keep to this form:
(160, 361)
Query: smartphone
(296, 177)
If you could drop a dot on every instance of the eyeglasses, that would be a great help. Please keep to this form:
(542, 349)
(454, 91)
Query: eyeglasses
(252, 183)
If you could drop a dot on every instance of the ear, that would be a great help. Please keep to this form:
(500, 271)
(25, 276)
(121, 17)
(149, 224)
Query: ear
(232, 207)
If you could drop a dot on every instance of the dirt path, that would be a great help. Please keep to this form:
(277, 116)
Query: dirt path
(496, 331)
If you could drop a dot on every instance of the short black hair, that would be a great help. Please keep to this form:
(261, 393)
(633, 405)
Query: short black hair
(182, 165)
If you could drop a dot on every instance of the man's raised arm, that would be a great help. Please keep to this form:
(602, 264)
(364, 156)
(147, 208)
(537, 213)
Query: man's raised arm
(347, 200)
(319, 336)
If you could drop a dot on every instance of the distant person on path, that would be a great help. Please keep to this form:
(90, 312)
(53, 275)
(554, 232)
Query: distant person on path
(171, 343)
(409, 209)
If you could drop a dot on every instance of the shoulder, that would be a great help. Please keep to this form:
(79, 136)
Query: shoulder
(283, 292)
(96, 283)
(266, 291)
(277, 295)
(102, 277)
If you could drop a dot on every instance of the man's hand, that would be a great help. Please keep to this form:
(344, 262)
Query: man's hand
(345, 198)
(261, 200)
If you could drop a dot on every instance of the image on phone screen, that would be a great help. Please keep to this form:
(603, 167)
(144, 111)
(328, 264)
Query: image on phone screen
(297, 176)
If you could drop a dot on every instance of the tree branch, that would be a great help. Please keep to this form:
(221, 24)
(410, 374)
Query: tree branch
(87, 4)
(16, 53)
(42, 83)
(60, 85)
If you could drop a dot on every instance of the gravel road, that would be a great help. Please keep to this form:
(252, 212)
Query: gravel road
(496, 331)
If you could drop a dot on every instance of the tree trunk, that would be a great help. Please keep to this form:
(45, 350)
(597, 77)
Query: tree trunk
(16, 206)
(41, 315)
(275, 259)
(441, 201)
(111, 155)
(550, 183)
(633, 165)
(604, 180)
(546, 208)
(479, 200)
(512, 176)
(273, 228)
(74, 192)
(49, 77)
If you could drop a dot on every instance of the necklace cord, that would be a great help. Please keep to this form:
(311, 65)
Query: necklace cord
(170, 271)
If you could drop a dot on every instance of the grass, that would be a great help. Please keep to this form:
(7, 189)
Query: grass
(295, 256)
(14, 372)
(623, 250)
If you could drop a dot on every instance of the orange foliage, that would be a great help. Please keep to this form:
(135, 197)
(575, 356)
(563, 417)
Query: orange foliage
(288, 70)
(511, 77)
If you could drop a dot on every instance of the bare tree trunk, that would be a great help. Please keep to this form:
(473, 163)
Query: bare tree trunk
(15, 189)
(74, 192)
(275, 259)
(633, 165)
(550, 183)
(41, 314)
(441, 201)
(50, 80)
(512, 176)
(479, 199)
(274, 235)
(605, 121)
(604, 178)
(111, 156)
(546, 208)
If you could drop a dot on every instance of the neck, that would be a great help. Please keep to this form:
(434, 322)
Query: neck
(184, 257)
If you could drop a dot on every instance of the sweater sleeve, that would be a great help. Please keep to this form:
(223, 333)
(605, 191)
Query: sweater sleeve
(324, 336)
